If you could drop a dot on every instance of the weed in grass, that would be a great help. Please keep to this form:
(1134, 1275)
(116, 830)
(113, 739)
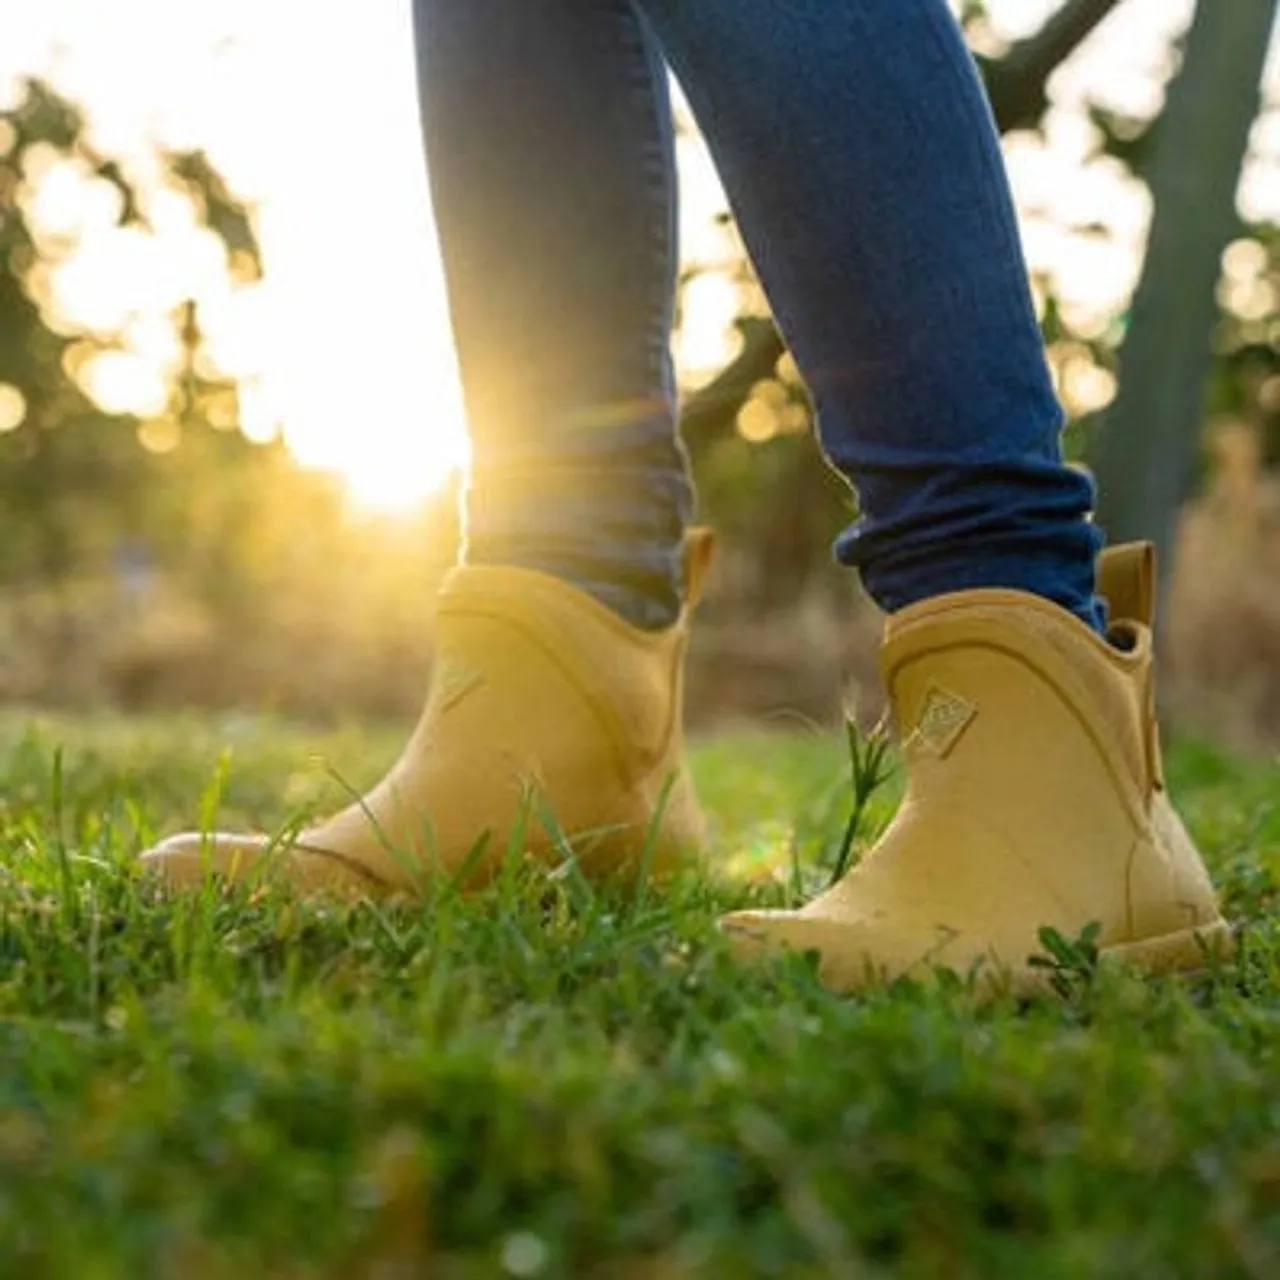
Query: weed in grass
(1069, 963)
(869, 768)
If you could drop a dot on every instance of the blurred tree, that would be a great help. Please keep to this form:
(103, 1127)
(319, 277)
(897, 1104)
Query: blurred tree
(1246, 381)
(160, 555)
(73, 478)
(1145, 454)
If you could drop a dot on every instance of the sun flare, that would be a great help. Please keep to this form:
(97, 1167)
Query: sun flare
(346, 346)
(392, 450)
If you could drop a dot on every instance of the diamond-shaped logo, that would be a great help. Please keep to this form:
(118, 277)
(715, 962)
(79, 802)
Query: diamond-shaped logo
(943, 718)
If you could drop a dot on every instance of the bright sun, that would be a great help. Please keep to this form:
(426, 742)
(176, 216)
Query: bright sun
(391, 447)
(358, 347)
(346, 345)
(360, 343)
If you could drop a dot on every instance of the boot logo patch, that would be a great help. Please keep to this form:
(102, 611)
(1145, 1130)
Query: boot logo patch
(943, 718)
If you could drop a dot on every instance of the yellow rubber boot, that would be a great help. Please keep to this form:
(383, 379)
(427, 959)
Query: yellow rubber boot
(542, 701)
(1034, 797)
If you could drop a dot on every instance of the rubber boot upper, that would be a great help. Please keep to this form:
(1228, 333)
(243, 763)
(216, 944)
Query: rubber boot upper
(552, 729)
(1034, 798)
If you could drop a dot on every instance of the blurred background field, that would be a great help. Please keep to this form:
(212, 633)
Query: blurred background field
(230, 426)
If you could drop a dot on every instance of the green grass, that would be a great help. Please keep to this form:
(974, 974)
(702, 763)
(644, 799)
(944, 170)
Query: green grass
(547, 1080)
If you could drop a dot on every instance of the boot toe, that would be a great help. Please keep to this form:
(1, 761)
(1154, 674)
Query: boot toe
(849, 954)
(189, 859)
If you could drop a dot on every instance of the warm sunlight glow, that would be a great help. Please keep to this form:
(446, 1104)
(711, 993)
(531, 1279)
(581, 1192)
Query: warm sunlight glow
(361, 351)
(707, 340)
(13, 407)
(122, 382)
(389, 453)
(311, 114)
(345, 348)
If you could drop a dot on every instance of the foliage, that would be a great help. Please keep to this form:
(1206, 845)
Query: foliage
(75, 483)
(546, 1080)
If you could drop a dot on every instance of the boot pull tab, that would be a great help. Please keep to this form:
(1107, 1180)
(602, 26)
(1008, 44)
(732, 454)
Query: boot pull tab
(1127, 578)
(699, 554)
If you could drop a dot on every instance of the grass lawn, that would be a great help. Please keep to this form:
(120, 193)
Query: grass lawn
(545, 1080)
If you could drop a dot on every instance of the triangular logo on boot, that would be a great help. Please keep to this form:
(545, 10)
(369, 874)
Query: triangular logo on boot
(943, 718)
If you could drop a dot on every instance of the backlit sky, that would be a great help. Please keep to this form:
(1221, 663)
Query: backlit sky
(310, 112)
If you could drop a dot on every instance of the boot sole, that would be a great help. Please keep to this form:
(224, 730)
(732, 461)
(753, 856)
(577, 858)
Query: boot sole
(1187, 951)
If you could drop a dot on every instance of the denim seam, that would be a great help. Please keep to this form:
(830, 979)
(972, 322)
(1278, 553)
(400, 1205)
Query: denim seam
(658, 179)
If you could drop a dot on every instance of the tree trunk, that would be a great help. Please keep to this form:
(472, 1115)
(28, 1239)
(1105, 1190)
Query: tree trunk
(1146, 451)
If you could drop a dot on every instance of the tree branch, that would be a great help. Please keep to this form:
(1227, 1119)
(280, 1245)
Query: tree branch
(1016, 83)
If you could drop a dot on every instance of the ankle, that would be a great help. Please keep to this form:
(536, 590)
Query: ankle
(641, 585)
(617, 535)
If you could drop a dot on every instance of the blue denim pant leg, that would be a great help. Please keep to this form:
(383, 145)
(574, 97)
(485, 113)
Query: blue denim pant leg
(859, 154)
(551, 162)
(860, 158)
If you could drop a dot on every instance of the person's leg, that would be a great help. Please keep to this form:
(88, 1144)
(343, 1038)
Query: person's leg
(559, 643)
(857, 148)
(549, 132)
(859, 155)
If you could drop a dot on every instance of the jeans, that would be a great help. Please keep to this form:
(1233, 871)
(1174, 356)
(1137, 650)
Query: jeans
(860, 159)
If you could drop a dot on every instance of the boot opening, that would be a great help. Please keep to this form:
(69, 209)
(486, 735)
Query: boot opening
(1123, 636)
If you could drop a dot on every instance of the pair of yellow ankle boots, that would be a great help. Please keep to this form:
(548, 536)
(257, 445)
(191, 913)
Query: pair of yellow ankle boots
(1034, 790)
